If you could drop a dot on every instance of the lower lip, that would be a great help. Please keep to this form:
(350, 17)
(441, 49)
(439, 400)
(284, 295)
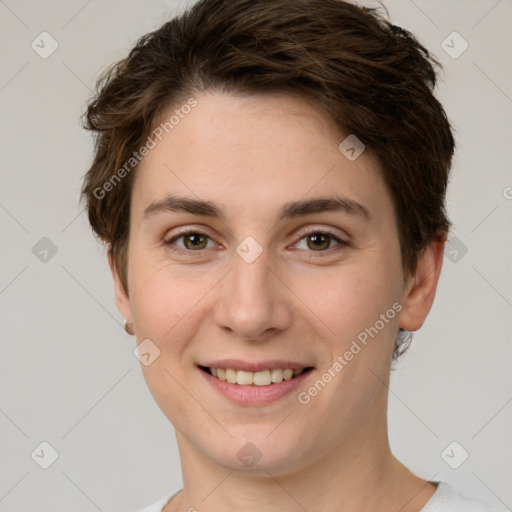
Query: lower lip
(255, 395)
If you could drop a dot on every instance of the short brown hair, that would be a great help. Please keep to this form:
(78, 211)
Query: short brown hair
(372, 78)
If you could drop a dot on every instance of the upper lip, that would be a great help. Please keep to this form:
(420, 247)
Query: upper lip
(238, 364)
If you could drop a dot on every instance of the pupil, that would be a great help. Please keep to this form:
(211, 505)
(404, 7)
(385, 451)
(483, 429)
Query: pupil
(319, 240)
(195, 237)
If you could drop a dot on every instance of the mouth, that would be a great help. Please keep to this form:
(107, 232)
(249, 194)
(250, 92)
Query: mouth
(261, 378)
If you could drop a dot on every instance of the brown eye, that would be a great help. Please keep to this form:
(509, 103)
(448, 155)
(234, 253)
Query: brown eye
(194, 241)
(318, 241)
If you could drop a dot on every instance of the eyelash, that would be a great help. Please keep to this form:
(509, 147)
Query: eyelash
(303, 234)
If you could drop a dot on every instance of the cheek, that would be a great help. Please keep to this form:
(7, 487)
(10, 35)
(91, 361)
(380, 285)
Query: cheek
(169, 305)
(164, 307)
(160, 303)
(357, 343)
(346, 300)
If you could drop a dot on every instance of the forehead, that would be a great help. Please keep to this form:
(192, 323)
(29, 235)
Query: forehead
(253, 153)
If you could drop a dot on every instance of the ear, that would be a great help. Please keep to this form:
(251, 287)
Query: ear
(122, 299)
(420, 288)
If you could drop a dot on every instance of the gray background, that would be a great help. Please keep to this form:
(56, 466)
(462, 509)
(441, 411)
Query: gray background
(67, 372)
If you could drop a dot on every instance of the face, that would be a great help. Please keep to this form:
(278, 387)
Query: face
(242, 268)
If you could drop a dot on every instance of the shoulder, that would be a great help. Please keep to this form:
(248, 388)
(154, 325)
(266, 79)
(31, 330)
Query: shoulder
(157, 506)
(446, 499)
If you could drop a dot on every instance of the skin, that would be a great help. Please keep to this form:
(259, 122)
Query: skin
(251, 155)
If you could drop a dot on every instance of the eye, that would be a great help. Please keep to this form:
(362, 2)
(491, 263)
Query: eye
(319, 241)
(193, 240)
(315, 241)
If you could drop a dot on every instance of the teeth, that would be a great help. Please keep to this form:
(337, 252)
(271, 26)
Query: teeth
(244, 378)
(231, 375)
(287, 374)
(276, 375)
(262, 378)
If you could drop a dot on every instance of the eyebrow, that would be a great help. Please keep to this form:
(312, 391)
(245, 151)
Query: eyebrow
(333, 203)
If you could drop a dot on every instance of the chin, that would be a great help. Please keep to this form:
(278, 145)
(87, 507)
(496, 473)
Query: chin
(259, 454)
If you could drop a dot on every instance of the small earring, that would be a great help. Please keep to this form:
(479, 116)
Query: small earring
(128, 327)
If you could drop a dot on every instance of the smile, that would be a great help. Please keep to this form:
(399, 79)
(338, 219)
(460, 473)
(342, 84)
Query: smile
(259, 378)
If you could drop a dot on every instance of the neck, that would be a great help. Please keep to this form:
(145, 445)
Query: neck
(359, 473)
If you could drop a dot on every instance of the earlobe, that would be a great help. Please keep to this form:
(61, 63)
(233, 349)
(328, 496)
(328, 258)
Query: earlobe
(421, 286)
(122, 299)
(128, 327)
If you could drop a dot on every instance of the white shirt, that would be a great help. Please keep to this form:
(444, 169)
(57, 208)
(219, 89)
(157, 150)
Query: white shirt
(445, 499)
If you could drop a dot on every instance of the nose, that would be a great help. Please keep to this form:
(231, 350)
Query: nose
(254, 301)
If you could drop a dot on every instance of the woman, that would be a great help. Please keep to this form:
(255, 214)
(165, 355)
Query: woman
(270, 180)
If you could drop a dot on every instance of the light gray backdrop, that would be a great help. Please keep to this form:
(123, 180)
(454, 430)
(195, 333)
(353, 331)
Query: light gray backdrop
(67, 372)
